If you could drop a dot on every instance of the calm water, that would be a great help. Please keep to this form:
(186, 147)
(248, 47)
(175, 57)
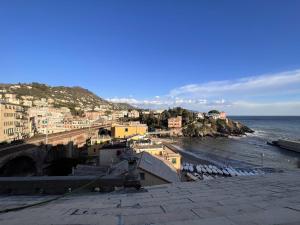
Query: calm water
(251, 149)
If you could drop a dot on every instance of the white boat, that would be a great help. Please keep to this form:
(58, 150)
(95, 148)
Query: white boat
(214, 170)
(209, 170)
(235, 172)
(231, 172)
(191, 168)
(198, 168)
(219, 171)
(241, 172)
(225, 172)
(205, 177)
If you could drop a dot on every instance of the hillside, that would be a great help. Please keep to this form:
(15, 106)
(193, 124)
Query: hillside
(75, 98)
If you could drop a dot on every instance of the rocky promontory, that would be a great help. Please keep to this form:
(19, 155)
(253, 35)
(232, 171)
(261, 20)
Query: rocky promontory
(193, 124)
(214, 128)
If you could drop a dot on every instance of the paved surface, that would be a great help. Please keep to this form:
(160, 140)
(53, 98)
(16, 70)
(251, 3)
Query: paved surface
(267, 199)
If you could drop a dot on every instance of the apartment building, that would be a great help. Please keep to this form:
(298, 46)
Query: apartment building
(71, 123)
(133, 114)
(163, 152)
(94, 115)
(128, 130)
(14, 122)
(175, 126)
(119, 114)
(48, 119)
(175, 122)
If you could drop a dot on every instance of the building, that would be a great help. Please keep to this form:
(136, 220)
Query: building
(48, 119)
(222, 116)
(200, 115)
(175, 122)
(161, 151)
(175, 126)
(153, 149)
(217, 115)
(93, 115)
(110, 154)
(151, 169)
(71, 123)
(173, 157)
(155, 171)
(14, 122)
(133, 114)
(11, 98)
(128, 130)
(116, 115)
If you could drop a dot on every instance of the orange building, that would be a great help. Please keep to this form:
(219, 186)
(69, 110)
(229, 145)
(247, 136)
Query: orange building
(175, 122)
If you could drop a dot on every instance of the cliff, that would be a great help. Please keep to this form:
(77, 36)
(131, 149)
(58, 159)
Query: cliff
(214, 128)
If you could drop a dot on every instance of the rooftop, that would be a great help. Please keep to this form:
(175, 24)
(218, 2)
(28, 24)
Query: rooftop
(158, 167)
(266, 199)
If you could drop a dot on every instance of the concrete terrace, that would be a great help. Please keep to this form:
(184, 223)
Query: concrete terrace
(266, 199)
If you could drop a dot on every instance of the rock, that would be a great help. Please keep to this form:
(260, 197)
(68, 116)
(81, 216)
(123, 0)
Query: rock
(216, 128)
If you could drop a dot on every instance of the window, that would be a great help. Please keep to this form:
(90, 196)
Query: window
(126, 129)
(174, 160)
(142, 176)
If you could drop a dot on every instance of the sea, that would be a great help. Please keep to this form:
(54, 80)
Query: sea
(250, 150)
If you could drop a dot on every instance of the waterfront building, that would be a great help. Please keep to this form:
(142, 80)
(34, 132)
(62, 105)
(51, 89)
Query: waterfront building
(128, 130)
(217, 115)
(222, 116)
(163, 152)
(14, 122)
(155, 171)
(151, 169)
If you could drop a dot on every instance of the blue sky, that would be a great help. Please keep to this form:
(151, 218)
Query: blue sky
(240, 56)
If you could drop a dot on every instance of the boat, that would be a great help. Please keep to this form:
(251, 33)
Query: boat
(191, 168)
(225, 172)
(198, 168)
(231, 172)
(220, 171)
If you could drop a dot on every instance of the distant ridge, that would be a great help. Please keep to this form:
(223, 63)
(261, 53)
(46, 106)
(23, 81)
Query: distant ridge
(72, 97)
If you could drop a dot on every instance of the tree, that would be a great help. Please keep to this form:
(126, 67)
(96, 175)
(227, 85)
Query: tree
(213, 112)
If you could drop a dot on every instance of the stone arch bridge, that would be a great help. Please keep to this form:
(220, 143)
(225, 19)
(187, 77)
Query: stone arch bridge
(34, 153)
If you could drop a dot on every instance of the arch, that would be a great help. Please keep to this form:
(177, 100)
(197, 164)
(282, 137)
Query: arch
(21, 165)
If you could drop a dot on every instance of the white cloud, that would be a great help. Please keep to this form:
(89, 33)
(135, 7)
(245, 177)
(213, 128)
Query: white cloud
(264, 83)
(291, 108)
(237, 97)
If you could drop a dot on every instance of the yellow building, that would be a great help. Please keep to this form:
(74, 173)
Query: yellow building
(161, 151)
(14, 122)
(172, 157)
(152, 149)
(129, 130)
